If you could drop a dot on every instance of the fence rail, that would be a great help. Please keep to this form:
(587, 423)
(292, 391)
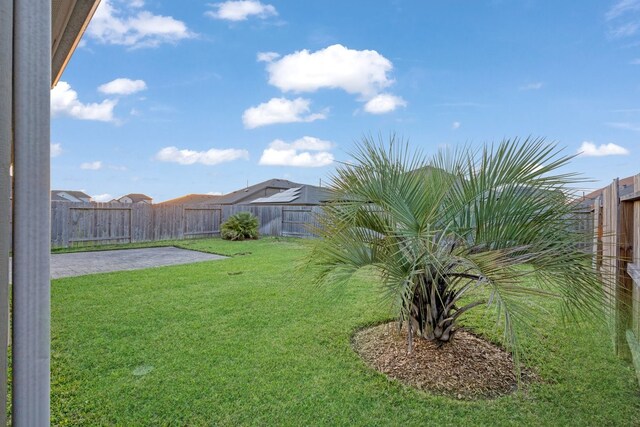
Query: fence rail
(76, 224)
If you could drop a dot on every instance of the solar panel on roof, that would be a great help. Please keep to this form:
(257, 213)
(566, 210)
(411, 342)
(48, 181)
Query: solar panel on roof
(282, 197)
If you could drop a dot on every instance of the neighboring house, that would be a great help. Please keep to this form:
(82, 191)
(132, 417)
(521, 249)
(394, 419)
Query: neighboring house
(625, 187)
(238, 197)
(251, 193)
(306, 195)
(70, 196)
(135, 198)
(192, 199)
(244, 196)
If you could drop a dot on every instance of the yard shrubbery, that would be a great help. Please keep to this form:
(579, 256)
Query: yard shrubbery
(240, 226)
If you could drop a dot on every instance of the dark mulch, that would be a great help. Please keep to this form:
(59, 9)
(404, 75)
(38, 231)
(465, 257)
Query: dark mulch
(469, 367)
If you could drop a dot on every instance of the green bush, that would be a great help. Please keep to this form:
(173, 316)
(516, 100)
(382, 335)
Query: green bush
(240, 226)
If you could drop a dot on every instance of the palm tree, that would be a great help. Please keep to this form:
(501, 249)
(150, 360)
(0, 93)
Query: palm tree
(458, 231)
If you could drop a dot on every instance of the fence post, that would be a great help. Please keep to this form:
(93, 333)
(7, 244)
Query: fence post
(633, 273)
(617, 229)
(624, 301)
(597, 234)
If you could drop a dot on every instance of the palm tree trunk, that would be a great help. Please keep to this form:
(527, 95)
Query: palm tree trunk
(432, 310)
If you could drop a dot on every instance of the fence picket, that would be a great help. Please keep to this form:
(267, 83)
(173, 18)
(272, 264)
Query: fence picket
(77, 224)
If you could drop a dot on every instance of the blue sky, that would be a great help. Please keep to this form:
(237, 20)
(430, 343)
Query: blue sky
(169, 98)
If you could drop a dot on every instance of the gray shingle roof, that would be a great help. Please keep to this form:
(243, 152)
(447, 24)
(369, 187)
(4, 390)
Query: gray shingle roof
(625, 187)
(262, 189)
(137, 197)
(79, 196)
(193, 199)
(309, 195)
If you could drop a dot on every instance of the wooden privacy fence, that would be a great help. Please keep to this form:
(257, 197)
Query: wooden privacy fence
(617, 258)
(75, 224)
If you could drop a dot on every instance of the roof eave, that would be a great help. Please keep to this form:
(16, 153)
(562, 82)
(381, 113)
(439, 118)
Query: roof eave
(69, 20)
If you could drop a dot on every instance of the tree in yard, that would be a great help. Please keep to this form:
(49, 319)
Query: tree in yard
(458, 231)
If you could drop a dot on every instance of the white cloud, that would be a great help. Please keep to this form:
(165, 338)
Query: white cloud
(362, 72)
(310, 143)
(210, 157)
(624, 30)
(455, 125)
(384, 103)
(623, 19)
(64, 102)
(134, 28)
(280, 153)
(625, 126)
(589, 149)
(214, 193)
(93, 166)
(101, 198)
(622, 7)
(267, 56)
(532, 86)
(280, 110)
(122, 86)
(241, 10)
(56, 149)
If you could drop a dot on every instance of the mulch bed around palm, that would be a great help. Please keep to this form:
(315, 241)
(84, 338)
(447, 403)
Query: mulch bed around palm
(469, 367)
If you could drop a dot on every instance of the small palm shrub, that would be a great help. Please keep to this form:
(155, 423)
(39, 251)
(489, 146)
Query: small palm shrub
(240, 226)
(459, 231)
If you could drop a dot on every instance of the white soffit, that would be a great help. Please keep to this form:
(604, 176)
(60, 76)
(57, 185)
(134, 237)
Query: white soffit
(69, 19)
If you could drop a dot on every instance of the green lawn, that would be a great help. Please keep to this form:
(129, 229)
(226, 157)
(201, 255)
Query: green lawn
(245, 341)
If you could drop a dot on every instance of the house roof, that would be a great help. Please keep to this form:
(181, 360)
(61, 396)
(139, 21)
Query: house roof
(136, 197)
(192, 199)
(256, 191)
(304, 195)
(69, 19)
(625, 187)
(79, 195)
(260, 190)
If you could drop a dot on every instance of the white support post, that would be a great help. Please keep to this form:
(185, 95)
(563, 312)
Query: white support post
(31, 309)
(6, 68)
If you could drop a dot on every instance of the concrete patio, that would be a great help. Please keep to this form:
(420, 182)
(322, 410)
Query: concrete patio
(82, 263)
